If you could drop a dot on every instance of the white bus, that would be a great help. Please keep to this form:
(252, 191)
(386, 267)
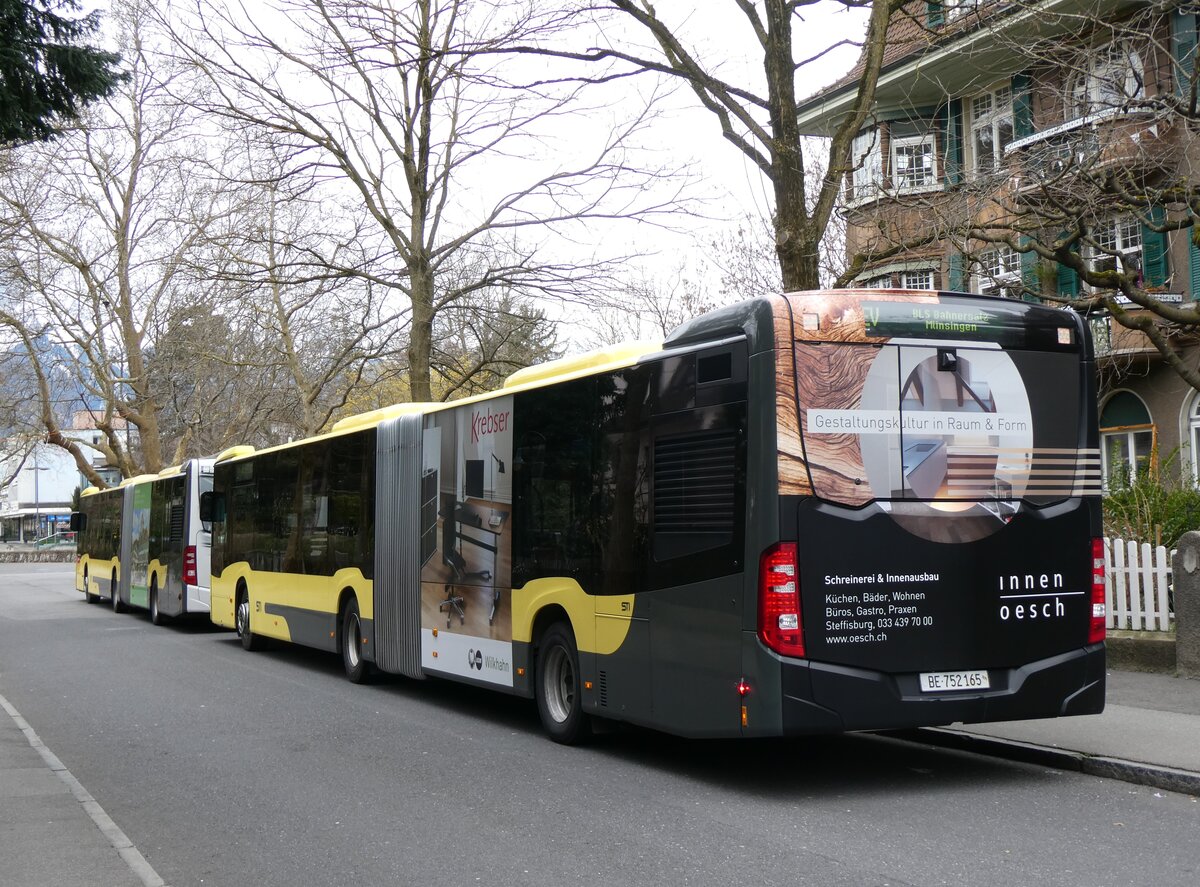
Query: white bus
(142, 544)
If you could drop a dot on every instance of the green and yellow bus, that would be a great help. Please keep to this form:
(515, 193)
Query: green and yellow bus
(812, 513)
(142, 543)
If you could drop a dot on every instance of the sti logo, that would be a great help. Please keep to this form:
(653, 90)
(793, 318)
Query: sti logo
(475, 659)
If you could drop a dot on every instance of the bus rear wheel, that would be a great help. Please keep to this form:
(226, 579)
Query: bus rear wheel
(557, 687)
(117, 604)
(357, 669)
(156, 615)
(250, 641)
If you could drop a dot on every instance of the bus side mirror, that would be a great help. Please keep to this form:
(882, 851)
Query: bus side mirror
(212, 506)
(78, 521)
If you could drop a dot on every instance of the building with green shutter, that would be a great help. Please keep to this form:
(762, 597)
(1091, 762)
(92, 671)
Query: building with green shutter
(1045, 150)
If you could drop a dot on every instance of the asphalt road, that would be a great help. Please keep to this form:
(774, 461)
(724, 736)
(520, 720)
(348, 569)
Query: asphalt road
(233, 768)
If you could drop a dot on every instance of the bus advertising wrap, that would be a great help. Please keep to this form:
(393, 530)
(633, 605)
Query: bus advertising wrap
(929, 431)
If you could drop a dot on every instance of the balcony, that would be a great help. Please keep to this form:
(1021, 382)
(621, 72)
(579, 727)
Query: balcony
(1120, 348)
(1057, 157)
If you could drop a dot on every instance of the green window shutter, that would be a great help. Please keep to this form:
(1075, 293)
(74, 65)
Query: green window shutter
(1068, 279)
(1022, 99)
(1068, 282)
(1030, 279)
(1194, 264)
(1183, 49)
(1154, 251)
(956, 279)
(953, 136)
(934, 14)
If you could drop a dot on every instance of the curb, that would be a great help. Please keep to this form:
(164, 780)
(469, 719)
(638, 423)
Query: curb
(1153, 775)
(138, 864)
(37, 557)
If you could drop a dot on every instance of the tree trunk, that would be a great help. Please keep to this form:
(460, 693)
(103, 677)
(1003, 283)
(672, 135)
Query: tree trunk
(795, 244)
(420, 340)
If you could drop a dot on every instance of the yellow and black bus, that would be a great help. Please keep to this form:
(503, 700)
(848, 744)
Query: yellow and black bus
(97, 527)
(812, 513)
(142, 543)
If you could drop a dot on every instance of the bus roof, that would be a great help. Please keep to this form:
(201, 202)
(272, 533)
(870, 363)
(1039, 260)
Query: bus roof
(561, 370)
(610, 358)
(138, 479)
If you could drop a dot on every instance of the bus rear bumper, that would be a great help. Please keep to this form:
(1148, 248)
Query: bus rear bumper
(825, 698)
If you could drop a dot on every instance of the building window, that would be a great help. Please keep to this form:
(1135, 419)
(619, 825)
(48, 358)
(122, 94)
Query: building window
(865, 154)
(949, 10)
(998, 272)
(1109, 79)
(991, 129)
(958, 8)
(920, 279)
(882, 282)
(1118, 246)
(894, 157)
(1127, 455)
(1127, 440)
(913, 163)
(1101, 325)
(1194, 436)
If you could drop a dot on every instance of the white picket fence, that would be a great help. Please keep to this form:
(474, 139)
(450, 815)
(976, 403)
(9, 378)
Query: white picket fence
(1138, 587)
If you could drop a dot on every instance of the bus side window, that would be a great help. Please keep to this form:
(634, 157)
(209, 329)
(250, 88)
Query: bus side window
(552, 483)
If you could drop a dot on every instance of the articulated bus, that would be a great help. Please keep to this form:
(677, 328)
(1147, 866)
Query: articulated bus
(142, 543)
(813, 513)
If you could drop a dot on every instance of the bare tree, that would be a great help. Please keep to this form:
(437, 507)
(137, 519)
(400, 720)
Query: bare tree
(481, 344)
(760, 119)
(302, 316)
(419, 111)
(648, 305)
(745, 258)
(96, 228)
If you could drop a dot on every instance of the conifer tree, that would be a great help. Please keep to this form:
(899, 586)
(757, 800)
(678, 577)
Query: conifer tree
(47, 72)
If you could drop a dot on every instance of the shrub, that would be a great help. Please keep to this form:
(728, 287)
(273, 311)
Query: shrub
(1151, 508)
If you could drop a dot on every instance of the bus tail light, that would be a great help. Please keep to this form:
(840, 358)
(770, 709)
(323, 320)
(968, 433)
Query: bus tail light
(1099, 608)
(779, 624)
(189, 565)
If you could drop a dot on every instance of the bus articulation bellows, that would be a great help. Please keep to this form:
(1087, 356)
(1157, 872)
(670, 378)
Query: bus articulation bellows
(813, 513)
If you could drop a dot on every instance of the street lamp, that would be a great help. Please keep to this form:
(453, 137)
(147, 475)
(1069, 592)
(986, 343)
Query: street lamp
(37, 503)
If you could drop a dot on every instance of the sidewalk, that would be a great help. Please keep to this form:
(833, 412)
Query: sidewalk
(1149, 733)
(52, 832)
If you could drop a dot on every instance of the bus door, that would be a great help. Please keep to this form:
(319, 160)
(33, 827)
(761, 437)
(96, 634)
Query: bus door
(198, 539)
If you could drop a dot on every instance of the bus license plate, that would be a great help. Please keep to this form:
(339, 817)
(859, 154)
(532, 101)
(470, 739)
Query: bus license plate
(942, 681)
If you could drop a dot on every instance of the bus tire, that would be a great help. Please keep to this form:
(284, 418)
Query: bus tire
(357, 668)
(250, 641)
(558, 688)
(156, 615)
(87, 589)
(117, 605)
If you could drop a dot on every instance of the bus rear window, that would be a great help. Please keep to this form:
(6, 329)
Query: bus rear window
(941, 422)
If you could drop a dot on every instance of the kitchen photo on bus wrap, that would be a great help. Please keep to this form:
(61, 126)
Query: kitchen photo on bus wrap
(938, 416)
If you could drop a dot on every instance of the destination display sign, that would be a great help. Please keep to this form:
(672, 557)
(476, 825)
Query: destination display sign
(1009, 325)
